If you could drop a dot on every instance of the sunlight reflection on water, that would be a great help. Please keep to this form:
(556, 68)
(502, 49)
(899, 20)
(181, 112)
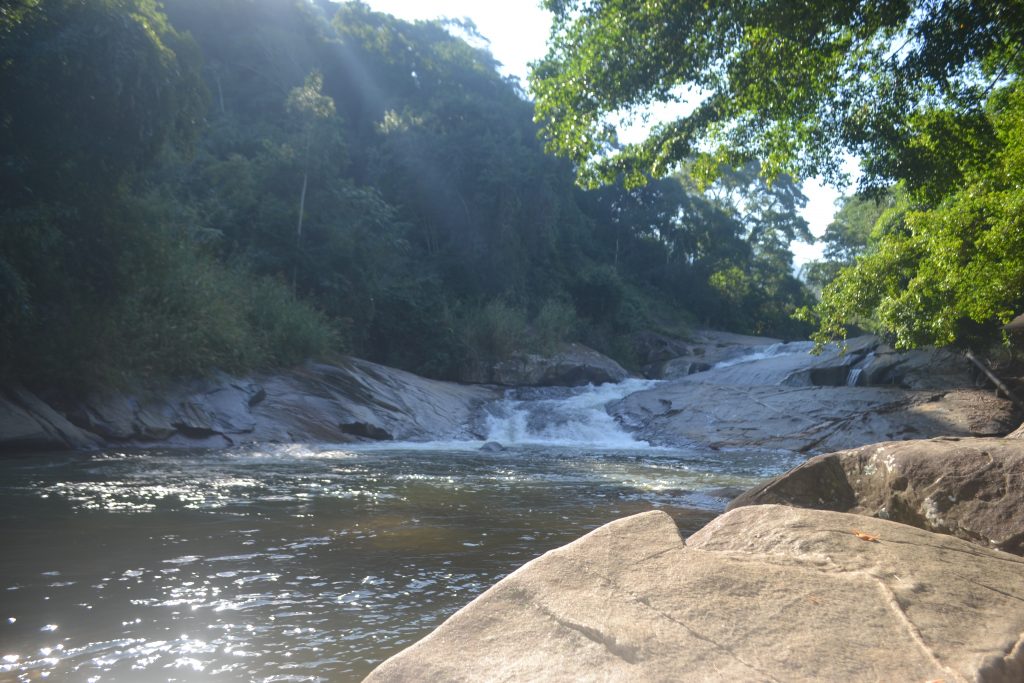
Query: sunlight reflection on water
(297, 563)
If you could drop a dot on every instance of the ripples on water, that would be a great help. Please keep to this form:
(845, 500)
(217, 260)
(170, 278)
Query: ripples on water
(297, 564)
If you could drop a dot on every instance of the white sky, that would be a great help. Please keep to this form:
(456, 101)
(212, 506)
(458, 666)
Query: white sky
(518, 31)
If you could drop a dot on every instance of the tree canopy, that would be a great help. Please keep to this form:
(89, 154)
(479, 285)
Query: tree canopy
(791, 84)
(924, 93)
(191, 185)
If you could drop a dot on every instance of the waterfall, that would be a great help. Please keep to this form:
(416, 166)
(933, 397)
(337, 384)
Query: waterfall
(857, 371)
(563, 416)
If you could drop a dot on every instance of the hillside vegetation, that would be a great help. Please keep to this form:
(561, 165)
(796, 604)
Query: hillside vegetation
(247, 183)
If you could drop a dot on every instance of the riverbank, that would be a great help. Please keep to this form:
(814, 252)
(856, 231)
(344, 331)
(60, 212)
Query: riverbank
(717, 390)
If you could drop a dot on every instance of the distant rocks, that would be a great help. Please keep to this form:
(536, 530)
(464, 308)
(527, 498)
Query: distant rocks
(571, 365)
(665, 358)
(763, 593)
(353, 400)
(780, 396)
(969, 488)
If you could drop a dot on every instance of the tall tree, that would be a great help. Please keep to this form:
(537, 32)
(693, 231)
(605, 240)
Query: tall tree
(924, 93)
(790, 84)
(114, 68)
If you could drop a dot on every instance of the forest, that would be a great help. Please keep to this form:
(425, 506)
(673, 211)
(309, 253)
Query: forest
(190, 185)
(924, 94)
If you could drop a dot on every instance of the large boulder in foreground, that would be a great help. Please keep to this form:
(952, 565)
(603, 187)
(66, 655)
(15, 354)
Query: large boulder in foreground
(970, 488)
(765, 593)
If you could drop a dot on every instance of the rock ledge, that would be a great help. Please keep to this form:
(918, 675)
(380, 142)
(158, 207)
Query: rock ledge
(764, 593)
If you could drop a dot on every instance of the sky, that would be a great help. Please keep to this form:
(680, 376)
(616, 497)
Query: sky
(518, 31)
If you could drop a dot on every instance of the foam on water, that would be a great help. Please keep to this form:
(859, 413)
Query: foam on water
(773, 351)
(576, 417)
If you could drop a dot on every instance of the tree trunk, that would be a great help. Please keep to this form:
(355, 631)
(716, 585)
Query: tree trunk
(298, 228)
(995, 380)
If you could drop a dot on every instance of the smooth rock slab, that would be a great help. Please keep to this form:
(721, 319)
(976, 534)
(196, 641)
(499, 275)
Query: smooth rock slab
(349, 401)
(765, 593)
(27, 423)
(970, 488)
(805, 419)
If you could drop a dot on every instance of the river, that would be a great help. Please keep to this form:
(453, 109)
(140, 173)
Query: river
(314, 562)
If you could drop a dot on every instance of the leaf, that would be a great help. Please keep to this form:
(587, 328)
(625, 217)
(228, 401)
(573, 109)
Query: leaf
(864, 536)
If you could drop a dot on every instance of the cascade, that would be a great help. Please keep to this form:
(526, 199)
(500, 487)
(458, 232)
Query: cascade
(559, 416)
(778, 349)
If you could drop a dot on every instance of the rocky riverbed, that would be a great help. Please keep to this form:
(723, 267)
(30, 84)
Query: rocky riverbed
(779, 396)
(725, 391)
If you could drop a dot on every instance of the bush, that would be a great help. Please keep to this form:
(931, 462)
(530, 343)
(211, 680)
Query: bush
(554, 323)
(496, 330)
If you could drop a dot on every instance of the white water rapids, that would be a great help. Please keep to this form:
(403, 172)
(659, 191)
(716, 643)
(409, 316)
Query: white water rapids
(561, 417)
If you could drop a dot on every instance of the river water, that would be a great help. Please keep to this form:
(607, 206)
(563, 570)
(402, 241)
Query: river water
(313, 562)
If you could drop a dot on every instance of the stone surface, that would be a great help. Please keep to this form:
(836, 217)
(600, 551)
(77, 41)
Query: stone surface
(970, 488)
(356, 400)
(572, 365)
(27, 423)
(653, 347)
(708, 347)
(780, 396)
(806, 419)
(764, 593)
(352, 400)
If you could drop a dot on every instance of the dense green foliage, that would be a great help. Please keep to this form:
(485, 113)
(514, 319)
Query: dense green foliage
(925, 94)
(948, 270)
(246, 183)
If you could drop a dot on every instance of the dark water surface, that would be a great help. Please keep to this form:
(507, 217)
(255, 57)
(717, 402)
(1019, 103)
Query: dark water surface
(291, 563)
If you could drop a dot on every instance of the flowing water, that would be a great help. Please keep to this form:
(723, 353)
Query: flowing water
(313, 563)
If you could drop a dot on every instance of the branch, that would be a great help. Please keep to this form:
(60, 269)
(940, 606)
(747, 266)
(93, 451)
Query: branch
(995, 380)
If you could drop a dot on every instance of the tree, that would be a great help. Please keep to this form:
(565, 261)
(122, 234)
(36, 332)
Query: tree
(790, 84)
(949, 271)
(849, 234)
(924, 93)
(114, 68)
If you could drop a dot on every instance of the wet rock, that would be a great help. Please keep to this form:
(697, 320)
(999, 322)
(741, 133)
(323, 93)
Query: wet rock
(806, 419)
(761, 593)
(651, 348)
(492, 447)
(676, 368)
(27, 423)
(366, 431)
(970, 488)
(313, 401)
(928, 368)
(571, 366)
